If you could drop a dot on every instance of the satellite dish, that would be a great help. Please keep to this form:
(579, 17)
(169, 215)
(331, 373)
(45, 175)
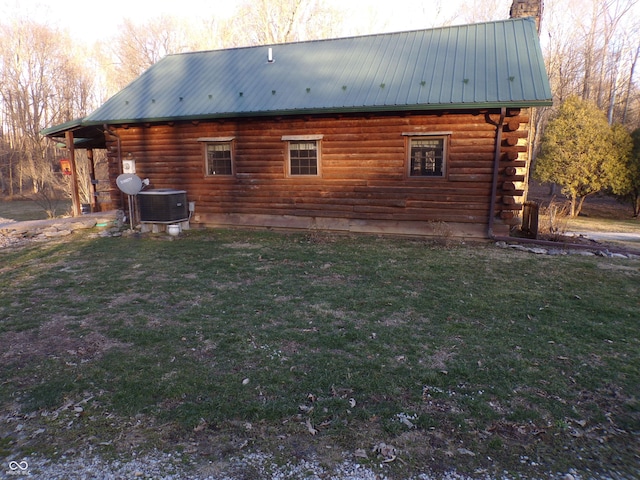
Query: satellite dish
(129, 183)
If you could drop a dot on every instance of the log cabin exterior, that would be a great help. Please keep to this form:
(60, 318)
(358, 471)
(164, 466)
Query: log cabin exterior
(423, 132)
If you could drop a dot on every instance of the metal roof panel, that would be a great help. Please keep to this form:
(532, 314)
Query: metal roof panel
(495, 63)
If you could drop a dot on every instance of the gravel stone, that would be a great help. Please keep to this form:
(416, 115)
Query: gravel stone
(167, 466)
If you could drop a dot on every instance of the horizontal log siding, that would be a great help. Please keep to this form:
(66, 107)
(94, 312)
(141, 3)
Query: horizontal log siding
(363, 167)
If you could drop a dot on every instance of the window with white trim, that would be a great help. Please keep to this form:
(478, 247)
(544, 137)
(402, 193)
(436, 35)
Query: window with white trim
(218, 158)
(303, 154)
(427, 156)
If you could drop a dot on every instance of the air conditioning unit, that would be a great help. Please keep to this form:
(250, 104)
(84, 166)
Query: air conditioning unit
(163, 205)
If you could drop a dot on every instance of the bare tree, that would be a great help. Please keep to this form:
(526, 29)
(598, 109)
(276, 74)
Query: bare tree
(593, 55)
(27, 69)
(42, 84)
(475, 11)
(140, 45)
(261, 22)
(605, 49)
(630, 85)
(563, 61)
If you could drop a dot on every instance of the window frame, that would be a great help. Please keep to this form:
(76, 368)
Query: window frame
(292, 139)
(207, 141)
(417, 136)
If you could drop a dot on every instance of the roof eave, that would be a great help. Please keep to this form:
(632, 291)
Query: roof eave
(60, 129)
(325, 111)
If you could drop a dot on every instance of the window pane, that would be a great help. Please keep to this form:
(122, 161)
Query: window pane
(427, 157)
(303, 158)
(219, 159)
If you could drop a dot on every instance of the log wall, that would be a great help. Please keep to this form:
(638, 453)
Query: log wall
(363, 185)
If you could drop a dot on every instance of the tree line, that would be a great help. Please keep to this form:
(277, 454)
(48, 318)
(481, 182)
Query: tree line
(590, 48)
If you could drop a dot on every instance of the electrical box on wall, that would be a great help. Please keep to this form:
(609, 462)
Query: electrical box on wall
(128, 166)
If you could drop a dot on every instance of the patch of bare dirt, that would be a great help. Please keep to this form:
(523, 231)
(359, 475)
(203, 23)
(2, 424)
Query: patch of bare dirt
(53, 339)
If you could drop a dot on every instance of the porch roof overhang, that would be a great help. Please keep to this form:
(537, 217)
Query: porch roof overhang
(87, 136)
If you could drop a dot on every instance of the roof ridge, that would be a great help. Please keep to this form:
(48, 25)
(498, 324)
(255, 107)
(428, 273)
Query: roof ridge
(354, 37)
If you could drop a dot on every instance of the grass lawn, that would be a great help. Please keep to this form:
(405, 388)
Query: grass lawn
(600, 214)
(598, 224)
(220, 343)
(624, 234)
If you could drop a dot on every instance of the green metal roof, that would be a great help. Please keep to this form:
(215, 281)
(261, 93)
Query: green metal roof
(492, 64)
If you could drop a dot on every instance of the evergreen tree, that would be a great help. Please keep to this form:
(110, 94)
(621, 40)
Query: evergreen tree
(576, 146)
(624, 174)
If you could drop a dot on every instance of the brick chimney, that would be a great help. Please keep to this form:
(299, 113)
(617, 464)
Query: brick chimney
(527, 8)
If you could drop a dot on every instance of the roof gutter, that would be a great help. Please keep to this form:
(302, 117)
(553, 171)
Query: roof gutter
(333, 110)
(534, 241)
(496, 165)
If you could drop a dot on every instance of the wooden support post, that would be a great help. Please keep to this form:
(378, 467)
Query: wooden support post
(94, 187)
(75, 196)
